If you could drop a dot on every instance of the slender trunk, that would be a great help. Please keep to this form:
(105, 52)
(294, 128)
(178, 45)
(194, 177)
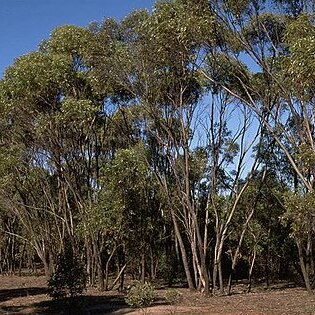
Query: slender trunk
(205, 250)
(100, 273)
(21, 259)
(237, 251)
(122, 271)
(267, 258)
(217, 269)
(153, 265)
(200, 282)
(250, 272)
(304, 267)
(98, 262)
(217, 258)
(107, 268)
(183, 252)
(46, 268)
(196, 274)
(89, 262)
(220, 277)
(42, 254)
(215, 265)
(142, 268)
(231, 277)
(120, 274)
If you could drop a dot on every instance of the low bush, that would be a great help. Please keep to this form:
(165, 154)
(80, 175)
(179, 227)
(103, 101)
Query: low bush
(173, 296)
(140, 294)
(69, 278)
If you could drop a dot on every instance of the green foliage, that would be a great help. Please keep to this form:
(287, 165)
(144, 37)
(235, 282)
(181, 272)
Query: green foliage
(36, 75)
(70, 39)
(178, 26)
(173, 296)
(299, 213)
(228, 71)
(237, 7)
(305, 157)
(99, 138)
(268, 28)
(140, 295)
(69, 279)
(299, 66)
(168, 266)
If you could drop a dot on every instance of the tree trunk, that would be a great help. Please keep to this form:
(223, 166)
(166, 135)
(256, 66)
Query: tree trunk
(142, 276)
(237, 251)
(119, 275)
(220, 277)
(304, 267)
(250, 272)
(183, 252)
(100, 273)
(107, 268)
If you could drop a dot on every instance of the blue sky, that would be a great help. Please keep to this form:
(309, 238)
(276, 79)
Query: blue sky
(25, 23)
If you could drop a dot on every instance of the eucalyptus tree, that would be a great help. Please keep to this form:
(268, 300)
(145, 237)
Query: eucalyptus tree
(272, 38)
(158, 61)
(153, 82)
(171, 102)
(52, 118)
(182, 39)
(164, 72)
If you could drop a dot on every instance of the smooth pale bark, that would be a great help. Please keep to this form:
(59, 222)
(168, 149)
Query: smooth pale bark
(183, 252)
(250, 272)
(107, 268)
(118, 277)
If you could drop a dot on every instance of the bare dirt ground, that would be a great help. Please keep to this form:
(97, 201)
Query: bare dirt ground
(28, 295)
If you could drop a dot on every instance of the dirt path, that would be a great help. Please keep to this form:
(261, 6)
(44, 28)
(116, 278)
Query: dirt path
(27, 295)
(275, 302)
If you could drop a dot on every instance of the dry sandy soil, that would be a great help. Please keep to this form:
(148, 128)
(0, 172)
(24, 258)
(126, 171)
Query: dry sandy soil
(27, 295)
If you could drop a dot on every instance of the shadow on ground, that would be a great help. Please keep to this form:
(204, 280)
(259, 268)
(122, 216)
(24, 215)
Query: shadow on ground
(80, 305)
(84, 305)
(8, 294)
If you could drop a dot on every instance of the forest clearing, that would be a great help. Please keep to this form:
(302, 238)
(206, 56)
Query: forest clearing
(27, 295)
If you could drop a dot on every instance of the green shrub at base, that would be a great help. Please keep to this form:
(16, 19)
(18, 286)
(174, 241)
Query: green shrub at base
(173, 296)
(69, 279)
(140, 295)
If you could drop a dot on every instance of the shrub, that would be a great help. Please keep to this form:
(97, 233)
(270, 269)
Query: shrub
(140, 294)
(173, 296)
(69, 279)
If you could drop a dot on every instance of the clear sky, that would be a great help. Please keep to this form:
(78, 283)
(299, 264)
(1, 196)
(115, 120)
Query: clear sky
(25, 23)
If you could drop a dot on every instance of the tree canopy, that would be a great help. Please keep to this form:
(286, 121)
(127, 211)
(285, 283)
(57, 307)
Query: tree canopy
(171, 144)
